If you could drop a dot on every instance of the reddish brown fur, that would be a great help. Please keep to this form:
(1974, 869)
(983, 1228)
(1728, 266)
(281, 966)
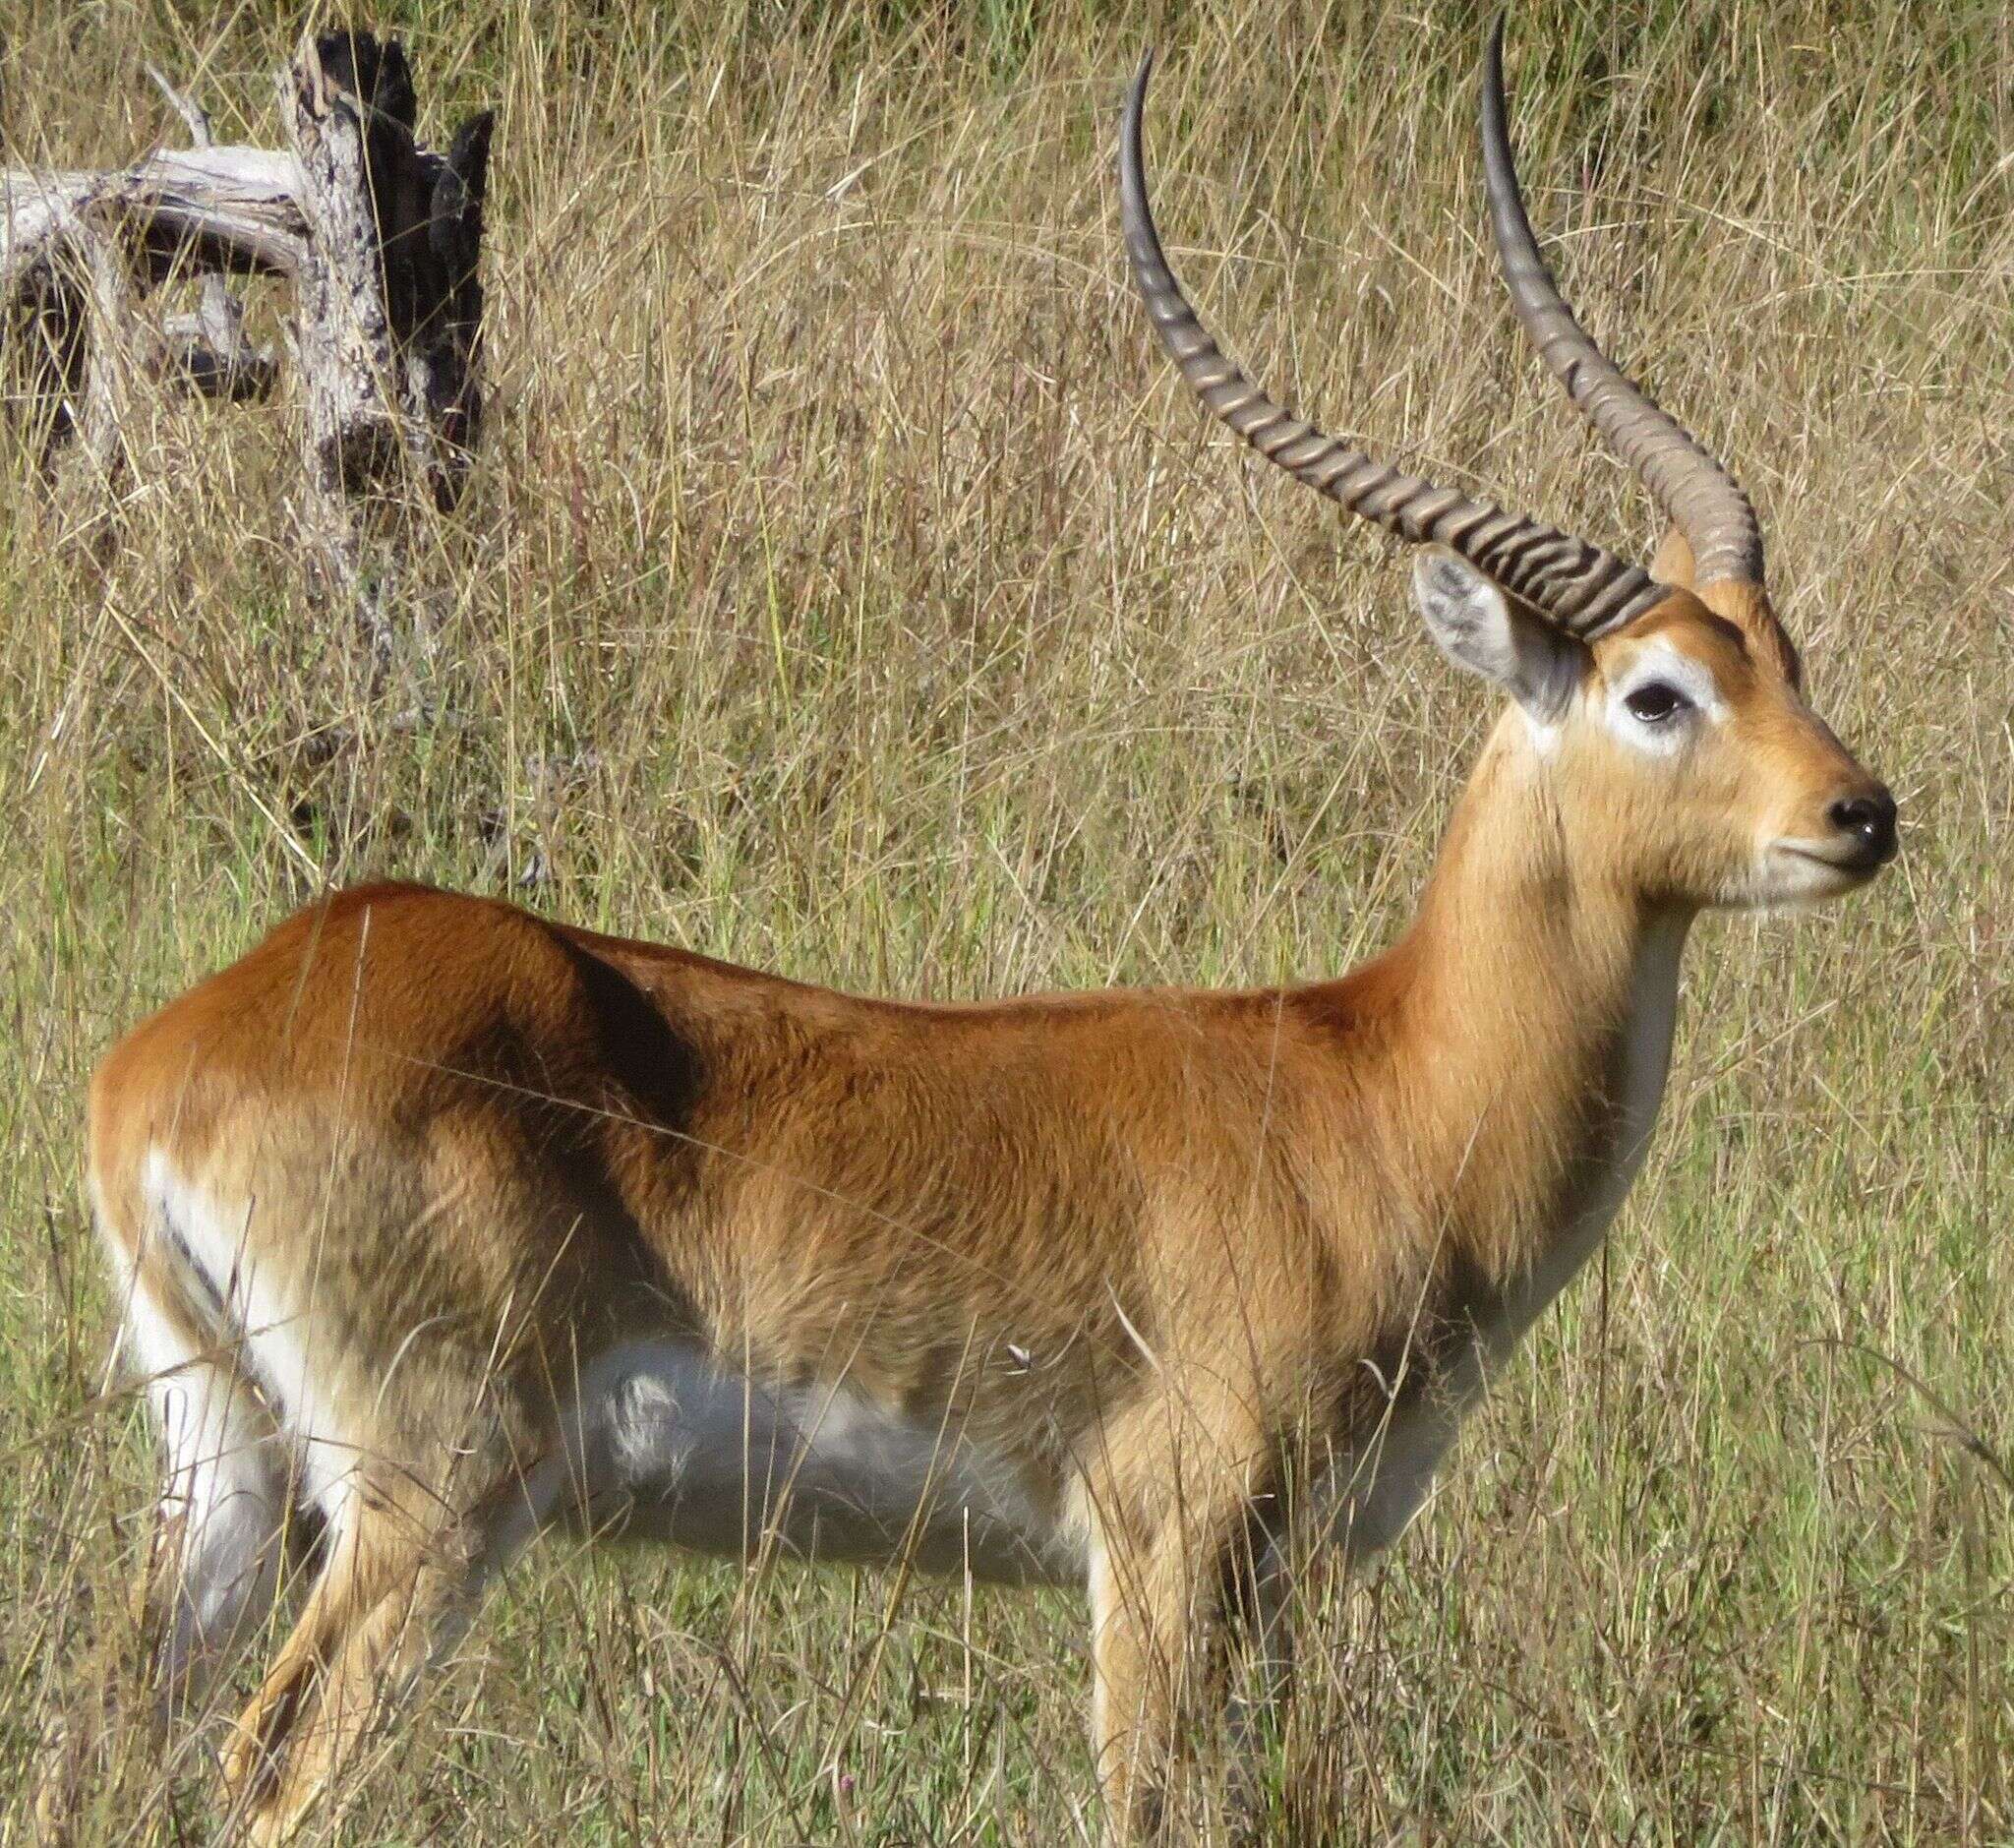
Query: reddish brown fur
(486, 1148)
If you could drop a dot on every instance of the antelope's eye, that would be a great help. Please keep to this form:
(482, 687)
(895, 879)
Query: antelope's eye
(1655, 701)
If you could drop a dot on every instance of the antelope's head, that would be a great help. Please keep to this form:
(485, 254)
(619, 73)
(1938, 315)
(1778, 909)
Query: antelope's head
(1663, 707)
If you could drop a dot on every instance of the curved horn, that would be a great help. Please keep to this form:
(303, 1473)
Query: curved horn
(1579, 585)
(1700, 496)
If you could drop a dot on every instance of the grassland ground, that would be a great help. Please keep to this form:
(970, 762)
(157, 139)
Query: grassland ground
(846, 587)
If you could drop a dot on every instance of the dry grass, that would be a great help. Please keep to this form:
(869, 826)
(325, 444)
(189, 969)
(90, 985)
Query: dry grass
(848, 588)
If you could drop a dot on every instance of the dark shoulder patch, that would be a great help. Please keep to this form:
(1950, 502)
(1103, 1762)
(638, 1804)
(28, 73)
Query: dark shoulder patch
(659, 1068)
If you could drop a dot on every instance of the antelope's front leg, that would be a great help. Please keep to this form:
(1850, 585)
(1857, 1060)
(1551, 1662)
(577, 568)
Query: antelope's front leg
(1170, 1588)
(1166, 1622)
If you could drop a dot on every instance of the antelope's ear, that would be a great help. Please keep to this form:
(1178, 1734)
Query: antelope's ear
(1487, 632)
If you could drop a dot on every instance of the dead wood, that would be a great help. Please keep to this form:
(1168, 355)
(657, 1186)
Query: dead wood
(376, 239)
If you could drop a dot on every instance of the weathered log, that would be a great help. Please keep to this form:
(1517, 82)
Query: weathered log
(194, 210)
(208, 352)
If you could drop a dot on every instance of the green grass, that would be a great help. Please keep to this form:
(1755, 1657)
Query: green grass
(848, 588)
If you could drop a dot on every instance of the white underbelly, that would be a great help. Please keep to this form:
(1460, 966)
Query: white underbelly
(663, 1444)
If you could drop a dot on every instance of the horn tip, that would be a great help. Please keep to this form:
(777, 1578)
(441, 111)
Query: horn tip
(1133, 208)
(1491, 106)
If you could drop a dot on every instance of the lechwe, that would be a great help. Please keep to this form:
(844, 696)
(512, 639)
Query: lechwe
(436, 1223)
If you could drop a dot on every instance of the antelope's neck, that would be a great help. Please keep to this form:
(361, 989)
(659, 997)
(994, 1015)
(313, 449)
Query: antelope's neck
(1538, 999)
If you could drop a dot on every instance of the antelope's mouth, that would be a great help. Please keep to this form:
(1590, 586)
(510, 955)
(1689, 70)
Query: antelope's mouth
(1806, 870)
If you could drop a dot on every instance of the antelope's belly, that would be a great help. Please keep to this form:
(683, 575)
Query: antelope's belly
(667, 1445)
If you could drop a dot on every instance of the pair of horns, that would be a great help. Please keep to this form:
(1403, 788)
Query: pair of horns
(1580, 587)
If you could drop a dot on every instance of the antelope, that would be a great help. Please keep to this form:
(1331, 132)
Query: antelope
(438, 1225)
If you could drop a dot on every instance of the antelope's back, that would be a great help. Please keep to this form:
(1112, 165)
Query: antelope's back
(425, 1111)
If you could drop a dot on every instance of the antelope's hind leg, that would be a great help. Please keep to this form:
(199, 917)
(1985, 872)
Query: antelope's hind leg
(213, 1568)
(407, 1566)
(402, 1571)
(208, 1580)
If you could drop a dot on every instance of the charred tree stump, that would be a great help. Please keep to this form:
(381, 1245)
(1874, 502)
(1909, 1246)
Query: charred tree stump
(380, 240)
(391, 301)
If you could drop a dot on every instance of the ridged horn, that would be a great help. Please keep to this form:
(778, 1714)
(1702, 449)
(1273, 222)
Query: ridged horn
(1700, 496)
(1577, 585)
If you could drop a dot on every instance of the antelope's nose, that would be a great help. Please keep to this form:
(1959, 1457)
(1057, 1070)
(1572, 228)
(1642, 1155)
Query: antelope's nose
(1871, 821)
